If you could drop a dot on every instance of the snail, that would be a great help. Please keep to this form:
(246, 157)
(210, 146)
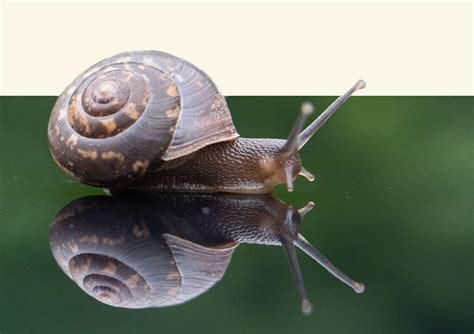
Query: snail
(148, 120)
(117, 253)
(154, 250)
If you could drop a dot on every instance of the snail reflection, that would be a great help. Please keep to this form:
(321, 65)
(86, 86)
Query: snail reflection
(155, 250)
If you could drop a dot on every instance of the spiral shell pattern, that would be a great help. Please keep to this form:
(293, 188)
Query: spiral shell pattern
(114, 99)
(109, 280)
(124, 115)
(117, 251)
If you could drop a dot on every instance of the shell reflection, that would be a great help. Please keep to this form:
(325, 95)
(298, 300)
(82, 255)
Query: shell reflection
(154, 250)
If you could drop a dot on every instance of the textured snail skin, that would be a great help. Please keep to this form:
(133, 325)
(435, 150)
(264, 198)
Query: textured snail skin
(154, 250)
(244, 165)
(216, 218)
(151, 121)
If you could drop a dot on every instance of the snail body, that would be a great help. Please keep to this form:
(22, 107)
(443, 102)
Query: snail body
(151, 121)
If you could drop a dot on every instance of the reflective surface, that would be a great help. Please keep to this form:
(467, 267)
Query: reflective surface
(142, 250)
(393, 196)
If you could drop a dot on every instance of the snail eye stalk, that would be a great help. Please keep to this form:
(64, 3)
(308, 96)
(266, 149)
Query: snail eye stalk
(318, 122)
(290, 250)
(290, 145)
(298, 138)
(306, 247)
(290, 243)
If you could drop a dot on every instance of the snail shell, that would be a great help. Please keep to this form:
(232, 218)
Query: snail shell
(127, 114)
(127, 260)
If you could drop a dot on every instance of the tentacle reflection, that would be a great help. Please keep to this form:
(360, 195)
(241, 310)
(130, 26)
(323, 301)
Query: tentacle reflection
(152, 250)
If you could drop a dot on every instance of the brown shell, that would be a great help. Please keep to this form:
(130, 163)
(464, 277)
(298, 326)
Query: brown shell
(123, 116)
(120, 254)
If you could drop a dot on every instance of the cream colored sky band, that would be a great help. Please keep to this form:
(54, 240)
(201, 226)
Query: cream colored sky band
(266, 48)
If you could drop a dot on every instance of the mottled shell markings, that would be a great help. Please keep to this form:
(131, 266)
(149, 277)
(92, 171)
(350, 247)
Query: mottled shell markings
(126, 115)
(132, 110)
(173, 113)
(90, 239)
(141, 231)
(87, 154)
(111, 268)
(172, 90)
(112, 155)
(109, 124)
(140, 166)
(173, 276)
(72, 141)
(133, 280)
(112, 241)
(73, 247)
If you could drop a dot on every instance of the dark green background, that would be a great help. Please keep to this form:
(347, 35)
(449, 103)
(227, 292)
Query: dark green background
(394, 192)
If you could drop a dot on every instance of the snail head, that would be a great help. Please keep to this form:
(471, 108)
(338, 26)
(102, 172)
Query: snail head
(289, 153)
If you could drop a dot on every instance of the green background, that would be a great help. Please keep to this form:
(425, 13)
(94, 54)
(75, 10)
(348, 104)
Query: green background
(393, 190)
